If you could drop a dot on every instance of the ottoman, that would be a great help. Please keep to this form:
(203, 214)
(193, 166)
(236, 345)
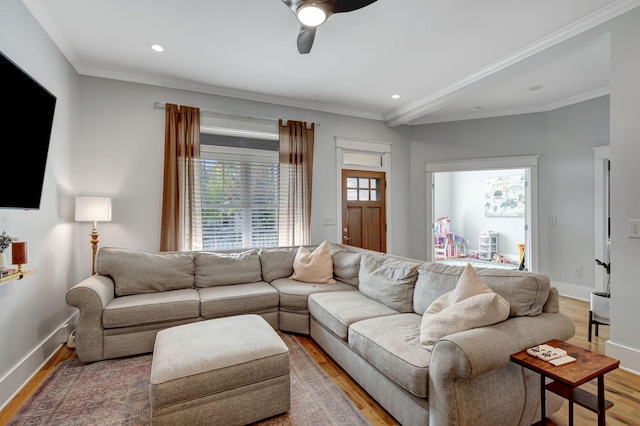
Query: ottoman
(225, 371)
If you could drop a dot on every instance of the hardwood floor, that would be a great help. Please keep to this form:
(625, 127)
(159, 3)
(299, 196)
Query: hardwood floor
(63, 354)
(622, 387)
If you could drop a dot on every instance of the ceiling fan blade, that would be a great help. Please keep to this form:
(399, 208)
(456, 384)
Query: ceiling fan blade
(293, 5)
(305, 39)
(348, 5)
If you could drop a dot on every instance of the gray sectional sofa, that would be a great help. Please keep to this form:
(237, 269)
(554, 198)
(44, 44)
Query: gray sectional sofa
(368, 322)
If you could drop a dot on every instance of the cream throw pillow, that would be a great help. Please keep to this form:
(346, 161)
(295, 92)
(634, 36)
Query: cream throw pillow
(471, 304)
(313, 267)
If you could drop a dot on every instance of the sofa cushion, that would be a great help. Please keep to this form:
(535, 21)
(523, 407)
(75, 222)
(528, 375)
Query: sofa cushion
(313, 266)
(525, 291)
(388, 280)
(346, 265)
(213, 269)
(434, 280)
(236, 299)
(295, 294)
(470, 305)
(392, 345)
(137, 272)
(139, 309)
(277, 262)
(336, 311)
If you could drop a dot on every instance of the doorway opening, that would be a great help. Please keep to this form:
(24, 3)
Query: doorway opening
(483, 213)
(498, 227)
(363, 176)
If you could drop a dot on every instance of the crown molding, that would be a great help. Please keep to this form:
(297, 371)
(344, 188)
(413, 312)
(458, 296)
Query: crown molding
(453, 91)
(515, 111)
(227, 92)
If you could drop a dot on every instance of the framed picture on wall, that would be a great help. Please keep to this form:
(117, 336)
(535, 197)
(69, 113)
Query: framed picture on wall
(505, 196)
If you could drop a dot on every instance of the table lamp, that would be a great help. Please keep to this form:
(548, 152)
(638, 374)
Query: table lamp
(93, 209)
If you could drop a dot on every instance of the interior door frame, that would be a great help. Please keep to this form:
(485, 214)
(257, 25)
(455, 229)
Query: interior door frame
(369, 147)
(530, 166)
(365, 205)
(601, 155)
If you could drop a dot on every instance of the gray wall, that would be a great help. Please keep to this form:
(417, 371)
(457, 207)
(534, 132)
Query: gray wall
(625, 203)
(32, 309)
(121, 127)
(563, 138)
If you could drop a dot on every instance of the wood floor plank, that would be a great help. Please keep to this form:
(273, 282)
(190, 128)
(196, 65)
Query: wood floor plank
(622, 387)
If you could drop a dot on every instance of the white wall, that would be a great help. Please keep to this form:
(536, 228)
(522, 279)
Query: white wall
(32, 309)
(120, 154)
(624, 343)
(468, 214)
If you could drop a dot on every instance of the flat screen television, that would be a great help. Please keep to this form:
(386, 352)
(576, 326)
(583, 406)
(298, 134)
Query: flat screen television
(26, 118)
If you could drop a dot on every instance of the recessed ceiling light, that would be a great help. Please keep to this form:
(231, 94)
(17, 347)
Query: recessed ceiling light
(311, 15)
(475, 108)
(534, 88)
(396, 96)
(157, 47)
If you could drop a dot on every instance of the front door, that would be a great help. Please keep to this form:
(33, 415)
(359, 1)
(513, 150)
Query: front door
(363, 209)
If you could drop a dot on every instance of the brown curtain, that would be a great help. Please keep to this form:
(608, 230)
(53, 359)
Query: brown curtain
(181, 205)
(296, 171)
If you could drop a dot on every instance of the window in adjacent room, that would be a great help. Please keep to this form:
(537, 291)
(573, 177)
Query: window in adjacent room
(239, 187)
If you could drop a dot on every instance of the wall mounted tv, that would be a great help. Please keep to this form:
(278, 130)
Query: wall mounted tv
(26, 118)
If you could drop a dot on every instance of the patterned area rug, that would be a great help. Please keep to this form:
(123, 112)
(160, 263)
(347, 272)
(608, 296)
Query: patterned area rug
(116, 392)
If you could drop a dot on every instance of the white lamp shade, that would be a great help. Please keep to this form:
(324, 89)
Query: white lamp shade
(93, 209)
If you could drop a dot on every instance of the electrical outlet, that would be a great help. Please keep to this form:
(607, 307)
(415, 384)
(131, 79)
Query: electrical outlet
(63, 333)
(577, 271)
(634, 228)
(553, 221)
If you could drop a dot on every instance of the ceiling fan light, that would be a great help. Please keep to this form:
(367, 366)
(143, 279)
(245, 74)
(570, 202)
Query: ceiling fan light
(311, 15)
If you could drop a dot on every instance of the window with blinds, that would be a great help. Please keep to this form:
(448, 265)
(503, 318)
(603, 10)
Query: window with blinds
(239, 197)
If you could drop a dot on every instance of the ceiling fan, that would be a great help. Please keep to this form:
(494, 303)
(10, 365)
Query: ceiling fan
(312, 13)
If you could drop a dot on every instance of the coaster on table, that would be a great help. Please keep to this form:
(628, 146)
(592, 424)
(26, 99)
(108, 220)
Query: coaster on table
(537, 350)
(552, 354)
(562, 360)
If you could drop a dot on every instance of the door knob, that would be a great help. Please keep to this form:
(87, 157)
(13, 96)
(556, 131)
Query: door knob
(345, 238)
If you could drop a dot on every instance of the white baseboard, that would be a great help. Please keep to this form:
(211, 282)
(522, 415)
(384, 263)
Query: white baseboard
(573, 291)
(629, 357)
(19, 376)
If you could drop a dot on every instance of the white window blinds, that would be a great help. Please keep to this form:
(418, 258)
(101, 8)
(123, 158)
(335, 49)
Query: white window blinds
(239, 198)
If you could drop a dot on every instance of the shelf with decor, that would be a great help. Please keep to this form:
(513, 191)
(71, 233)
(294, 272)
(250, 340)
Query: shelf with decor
(17, 275)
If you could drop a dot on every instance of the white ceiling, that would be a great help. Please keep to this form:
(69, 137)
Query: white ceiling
(445, 57)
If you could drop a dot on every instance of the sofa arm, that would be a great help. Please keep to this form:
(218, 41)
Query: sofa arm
(90, 296)
(488, 348)
(469, 354)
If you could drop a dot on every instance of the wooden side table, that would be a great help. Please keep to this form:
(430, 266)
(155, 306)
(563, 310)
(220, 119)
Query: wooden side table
(566, 378)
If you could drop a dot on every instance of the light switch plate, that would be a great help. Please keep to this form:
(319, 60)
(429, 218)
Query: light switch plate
(634, 228)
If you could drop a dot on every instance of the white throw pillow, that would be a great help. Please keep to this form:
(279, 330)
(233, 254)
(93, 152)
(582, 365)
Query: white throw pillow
(314, 267)
(471, 304)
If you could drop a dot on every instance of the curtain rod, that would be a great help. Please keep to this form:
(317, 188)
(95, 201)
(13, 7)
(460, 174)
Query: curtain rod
(218, 114)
